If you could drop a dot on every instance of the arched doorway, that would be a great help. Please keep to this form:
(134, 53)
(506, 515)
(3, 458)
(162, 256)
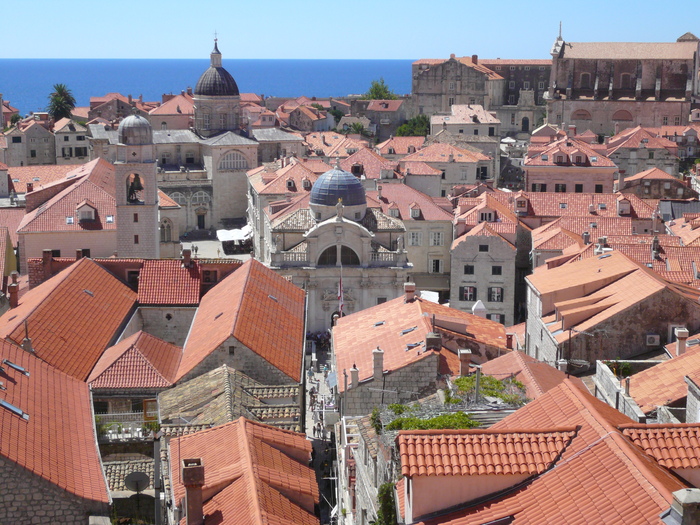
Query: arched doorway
(526, 124)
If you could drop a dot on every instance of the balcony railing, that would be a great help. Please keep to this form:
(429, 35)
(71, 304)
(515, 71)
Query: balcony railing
(124, 426)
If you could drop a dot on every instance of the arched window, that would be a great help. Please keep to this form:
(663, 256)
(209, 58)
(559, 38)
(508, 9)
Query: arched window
(163, 125)
(626, 81)
(622, 115)
(179, 198)
(581, 114)
(329, 257)
(233, 161)
(585, 81)
(166, 231)
(134, 189)
(201, 197)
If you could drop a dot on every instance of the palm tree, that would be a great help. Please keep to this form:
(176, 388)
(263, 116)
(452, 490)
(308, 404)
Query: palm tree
(61, 102)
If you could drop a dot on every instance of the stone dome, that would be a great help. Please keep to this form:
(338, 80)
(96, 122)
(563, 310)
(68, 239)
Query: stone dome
(338, 184)
(135, 130)
(216, 81)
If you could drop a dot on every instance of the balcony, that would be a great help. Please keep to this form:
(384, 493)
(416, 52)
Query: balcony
(124, 426)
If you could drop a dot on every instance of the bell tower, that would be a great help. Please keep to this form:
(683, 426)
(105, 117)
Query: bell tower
(136, 190)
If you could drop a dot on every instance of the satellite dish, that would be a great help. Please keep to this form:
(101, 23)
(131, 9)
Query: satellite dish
(137, 481)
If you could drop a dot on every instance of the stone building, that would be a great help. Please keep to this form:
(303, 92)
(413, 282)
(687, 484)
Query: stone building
(385, 115)
(655, 183)
(71, 142)
(522, 76)
(598, 85)
(29, 144)
(330, 235)
(638, 149)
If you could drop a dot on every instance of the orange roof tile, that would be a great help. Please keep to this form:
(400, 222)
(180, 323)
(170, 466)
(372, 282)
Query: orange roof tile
(180, 104)
(11, 218)
(402, 197)
(538, 377)
(441, 152)
(399, 329)
(254, 473)
(371, 162)
(57, 442)
(39, 176)
(673, 446)
(164, 201)
(474, 452)
(163, 281)
(570, 147)
(260, 309)
(139, 361)
(400, 145)
(600, 476)
(71, 318)
(651, 174)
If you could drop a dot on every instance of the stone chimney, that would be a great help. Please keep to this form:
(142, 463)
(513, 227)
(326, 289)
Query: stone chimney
(30, 187)
(586, 236)
(186, 258)
(655, 247)
(509, 341)
(409, 290)
(354, 376)
(681, 340)
(591, 208)
(78, 254)
(475, 59)
(46, 261)
(465, 359)
(13, 290)
(433, 341)
(378, 363)
(27, 342)
(685, 508)
(193, 480)
(379, 191)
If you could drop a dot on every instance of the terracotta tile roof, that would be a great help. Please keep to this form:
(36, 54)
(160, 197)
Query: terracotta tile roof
(638, 137)
(554, 239)
(166, 202)
(465, 114)
(631, 50)
(384, 105)
(664, 384)
(72, 318)
(418, 168)
(673, 446)
(441, 152)
(515, 62)
(474, 452)
(57, 442)
(600, 476)
(371, 162)
(11, 219)
(570, 148)
(403, 197)
(38, 175)
(254, 473)
(179, 104)
(399, 329)
(486, 229)
(538, 377)
(260, 309)
(164, 281)
(288, 180)
(652, 174)
(332, 144)
(400, 145)
(141, 361)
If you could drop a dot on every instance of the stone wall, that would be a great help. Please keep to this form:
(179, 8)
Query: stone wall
(419, 377)
(168, 323)
(27, 499)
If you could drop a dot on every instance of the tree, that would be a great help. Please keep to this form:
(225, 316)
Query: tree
(378, 90)
(357, 128)
(61, 102)
(416, 127)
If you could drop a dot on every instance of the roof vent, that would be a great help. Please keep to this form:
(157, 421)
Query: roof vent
(16, 367)
(12, 408)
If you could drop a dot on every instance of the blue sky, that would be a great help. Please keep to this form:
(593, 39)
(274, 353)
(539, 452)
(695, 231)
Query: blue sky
(361, 29)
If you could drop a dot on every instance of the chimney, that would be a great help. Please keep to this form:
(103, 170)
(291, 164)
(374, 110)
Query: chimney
(193, 480)
(655, 247)
(681, 339)
(627, 386)
(685, 508)
(46, 260)
(186, 258)
(27, 342)
(452, 55)
(433, 341)
(378, 362)
(475, 59)
(479, 309)
(562, 365)
(189, 90)
(591, 208)
(354, 376)
(465, 359)
(509, 341)
(379, 191)
(78, 254)
(30, 187)
(130, 99)
(409, 290)
(586, 238)
(13, 290)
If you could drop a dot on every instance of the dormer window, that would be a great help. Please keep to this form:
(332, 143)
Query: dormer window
(392, 151)
(578, 159)
(85, 211)
(290, 184)
(306, 183)
(521, 203)
(411, 149)
(69, 220)
(394, 212)
(594, 159)
(602, 206)
(545, 157)
(415, 213)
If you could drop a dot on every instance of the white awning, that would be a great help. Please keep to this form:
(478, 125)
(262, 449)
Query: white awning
(235, 235)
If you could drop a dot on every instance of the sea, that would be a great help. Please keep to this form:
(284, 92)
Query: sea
(27, 83)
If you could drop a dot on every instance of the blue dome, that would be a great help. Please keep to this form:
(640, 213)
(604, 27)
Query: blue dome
(338, 184)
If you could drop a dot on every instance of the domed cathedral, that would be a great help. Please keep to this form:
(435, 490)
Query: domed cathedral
(136, 190)
(216, 99)
(335, 234)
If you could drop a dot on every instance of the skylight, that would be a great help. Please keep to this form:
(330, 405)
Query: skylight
(12, 408)
(379, 323)
(408, 330)
(273, 298)
(69, 220)
(16, 367)
(110, 219)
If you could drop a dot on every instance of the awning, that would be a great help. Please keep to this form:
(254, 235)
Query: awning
(235, 235)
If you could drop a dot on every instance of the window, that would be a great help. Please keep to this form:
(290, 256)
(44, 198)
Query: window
(179, 198)
(521, 204)
(437, 238)
(560, 188)
(677, 121)
(136, 239)
(512, 117)
(578, 188)
(585, 81)
(415, 238)
(66, 138)
(189, 158)
(223, 121)
(87, 214)
(526, 85)
(163, 125)
(435, 265)
(511, 101)
(468, 269)
(496, 295)
(512, 68)
(497, 270)
(381, 300)
(451, 101)
(476, 131)
(539, 187)
(651, 155)
(415, 213)
(483, 248)
(85, 252)
(67, 152)
(540, 85)
(563, 205)
(233, 161)
(492, 131)
(231, 350)
(451, 86)
(210, 276)
(442, 175)
(80, 137)
(69, 220)
(499, 318)
(485, 216)
(461, 131)
(467, 293)
(527, 68)
(599, 188)
(511, 84)
(136, 217)
(165, 231)
(664, 121)
(110, 219)
(55, 253)
(16, 140)
(207, 121)
(32, 153)
(443, 193)
(200, 197)
(394, 212)
(81, 151)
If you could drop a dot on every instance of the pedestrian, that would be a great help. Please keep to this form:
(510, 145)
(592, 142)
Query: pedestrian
(315, 430)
